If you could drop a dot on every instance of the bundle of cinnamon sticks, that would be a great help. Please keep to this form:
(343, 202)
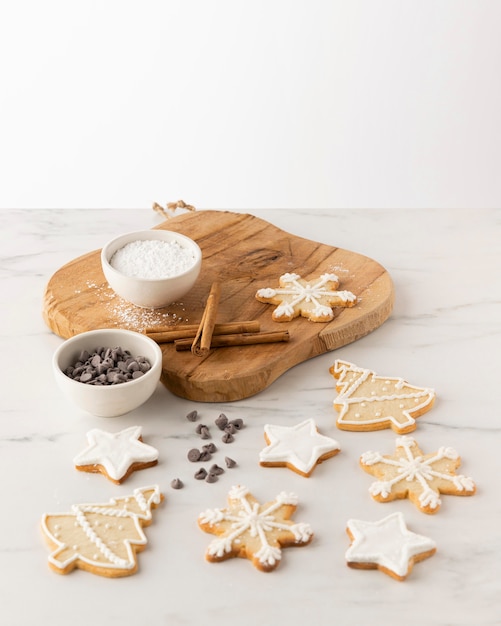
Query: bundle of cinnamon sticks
(200, 338)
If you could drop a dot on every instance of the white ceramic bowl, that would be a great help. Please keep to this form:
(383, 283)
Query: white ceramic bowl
(108, 400)
(151, 292)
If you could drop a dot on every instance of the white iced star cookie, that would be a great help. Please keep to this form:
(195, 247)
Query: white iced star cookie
(116, 455)
(312, 299)
(300, 448)
(409, 473)
(258, 532)
(386, 545)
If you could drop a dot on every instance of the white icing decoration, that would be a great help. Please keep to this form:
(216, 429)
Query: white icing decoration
(116, 452)
(351, 378)
(415, 468)
(300, 446)
(80, 512)
(387, 543)
(318, 293)
(246, 517)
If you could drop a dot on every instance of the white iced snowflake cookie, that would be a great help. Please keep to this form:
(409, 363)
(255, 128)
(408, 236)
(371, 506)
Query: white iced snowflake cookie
(312, 299)
(116, 455)
(250, 530)
(386, 545)
(300, 448)
(101, 538)
(408, 473)
(366, 401)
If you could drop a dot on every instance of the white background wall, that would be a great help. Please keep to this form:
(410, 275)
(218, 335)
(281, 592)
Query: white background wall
(250, 104)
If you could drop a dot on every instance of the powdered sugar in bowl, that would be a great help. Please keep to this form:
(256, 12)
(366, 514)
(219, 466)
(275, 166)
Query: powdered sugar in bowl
(151, 268)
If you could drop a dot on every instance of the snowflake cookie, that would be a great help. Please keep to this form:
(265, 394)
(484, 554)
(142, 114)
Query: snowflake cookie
(386, 545)
(311, 299)
(101, 538)
(257, 532)
(300, 448)
(369, 402)
(410, 474)
(116, 455)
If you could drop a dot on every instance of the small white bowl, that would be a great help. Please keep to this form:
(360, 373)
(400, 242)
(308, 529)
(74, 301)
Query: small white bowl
(108, 400)
(151, 292)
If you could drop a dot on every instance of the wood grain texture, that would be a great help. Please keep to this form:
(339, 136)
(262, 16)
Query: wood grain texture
(244, 253)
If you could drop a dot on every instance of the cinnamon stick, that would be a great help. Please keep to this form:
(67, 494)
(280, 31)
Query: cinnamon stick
(237, 339)
(201, 343)
(187, 331)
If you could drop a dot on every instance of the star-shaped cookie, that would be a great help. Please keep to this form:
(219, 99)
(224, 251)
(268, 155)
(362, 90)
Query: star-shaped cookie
(408, 473)
(312, 299)
(254, 531)
(116, 455)
(386, 545)
(300, 448)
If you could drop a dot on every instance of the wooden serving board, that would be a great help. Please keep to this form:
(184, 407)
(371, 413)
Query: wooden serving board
(244, 253)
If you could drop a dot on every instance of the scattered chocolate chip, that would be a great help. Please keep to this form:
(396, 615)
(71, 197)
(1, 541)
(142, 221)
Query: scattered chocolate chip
(237, 423)
(229, 428)
(227, 438)
(201, 474)
(215, 469)
(229, 462)
(194, 455)
(177, 484)
(192, 416)
(211, 478)
(199, 427)
(221, 421)
(205, 456)
(204, 433)
(209, 447)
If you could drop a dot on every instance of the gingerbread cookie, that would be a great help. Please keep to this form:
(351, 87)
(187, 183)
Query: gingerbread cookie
(300, 448)
(101, 538)
(409, 473)
(366, 401)
(386, 545)
(116, 455)
(257, 532)
(312, 299)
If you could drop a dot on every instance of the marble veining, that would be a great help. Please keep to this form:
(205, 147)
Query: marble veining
(444, 333)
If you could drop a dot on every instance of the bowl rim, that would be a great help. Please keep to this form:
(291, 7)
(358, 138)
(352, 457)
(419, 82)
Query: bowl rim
(153, 371)
(145, 235)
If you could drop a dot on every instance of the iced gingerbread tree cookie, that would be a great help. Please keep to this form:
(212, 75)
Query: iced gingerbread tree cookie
(101, 538)
(116, 455)
(250, 530)
(366, 401)
(312, 299)
(300, 448)
(408, 473)
(386, 545)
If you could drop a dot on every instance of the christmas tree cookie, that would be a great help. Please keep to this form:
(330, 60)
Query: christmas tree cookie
(101, 538)
(366, 401)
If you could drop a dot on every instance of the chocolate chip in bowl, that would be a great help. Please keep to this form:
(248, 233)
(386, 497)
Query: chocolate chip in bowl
(108, 372)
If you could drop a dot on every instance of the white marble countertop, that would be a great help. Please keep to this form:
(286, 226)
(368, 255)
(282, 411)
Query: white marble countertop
(444, 333)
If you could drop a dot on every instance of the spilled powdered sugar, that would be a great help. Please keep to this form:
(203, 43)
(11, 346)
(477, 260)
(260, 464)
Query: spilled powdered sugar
(123, 314)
